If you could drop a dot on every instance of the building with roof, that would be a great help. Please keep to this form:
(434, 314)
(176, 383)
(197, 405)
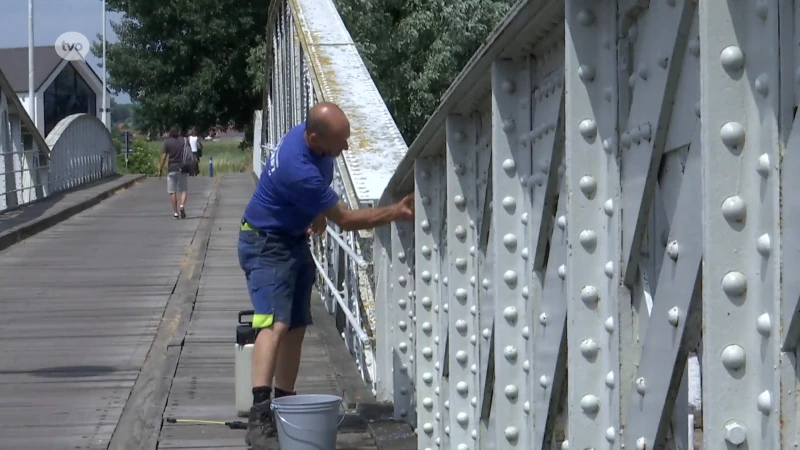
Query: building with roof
(61, 87)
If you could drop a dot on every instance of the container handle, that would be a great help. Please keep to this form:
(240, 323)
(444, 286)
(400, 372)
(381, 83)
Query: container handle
(248, 312)
(276, 411)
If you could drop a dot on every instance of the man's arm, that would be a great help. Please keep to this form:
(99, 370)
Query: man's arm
(364, 219)
(163, 158)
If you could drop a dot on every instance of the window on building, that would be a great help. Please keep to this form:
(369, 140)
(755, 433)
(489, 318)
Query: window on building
(69, 94)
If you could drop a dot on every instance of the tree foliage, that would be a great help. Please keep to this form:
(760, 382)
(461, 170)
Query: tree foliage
(184, 61)
(414, 49)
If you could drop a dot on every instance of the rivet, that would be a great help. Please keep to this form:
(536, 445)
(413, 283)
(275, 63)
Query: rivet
(526, 407)
(508, 125)
(590, 295)
(462, 418)
(586, 73)
(565, 445)
(732, 135)
(609, 325)
(562, 271)
(460, 201)
(524, 218)
(461, 264)
(403, 347)
(610, 381)
(608, 145)
(762, 167)
(461, 232)
(460, 136)
(672, 250)
(611, 434)
(734, 209)
(732, 58)
(673, 316)
(427, 328)
(402, 325)
(585, 17)
(461, 326)
(764, 245)
(608, 207)
(510, 241)
(426, 251)
(543, 318)
(427, 428)
(734, 283)
(485, 283)
(485, 333)
(764, 325)
(509, 165)
(588, 186)
(461, 357)
(662, 61)
(511, 434)
(764, 402)
(526, 333)
(641, 386)
(510, 313)
(733, 357)
(427, 402)
(426, 302)
(462, 388)
(510, 277)
(426, 276)
(508, 86)
(589, 348)
(461, 295)
(511, 392)
(524, 253)
(510, 352)
(544, 382)
(609, 269)
(588, 240)
(762, 84)
(562, 221)
(590, 404)
(641, 444)
(588, 129)
(426, 226)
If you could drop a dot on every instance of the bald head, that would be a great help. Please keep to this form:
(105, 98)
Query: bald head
(327, 129)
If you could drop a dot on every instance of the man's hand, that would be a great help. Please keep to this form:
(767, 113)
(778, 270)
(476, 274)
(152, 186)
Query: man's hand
(405, 208)
(319, 225)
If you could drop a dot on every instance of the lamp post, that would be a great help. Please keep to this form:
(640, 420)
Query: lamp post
(105, 88)
(31, 101)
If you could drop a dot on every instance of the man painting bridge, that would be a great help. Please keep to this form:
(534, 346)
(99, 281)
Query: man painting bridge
(294, 198)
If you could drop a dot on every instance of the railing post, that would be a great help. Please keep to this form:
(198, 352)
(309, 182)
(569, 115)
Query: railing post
(403, 341)
(462, 303)
(429, 205)
(592, 224)
(739, 113)
(511, 167)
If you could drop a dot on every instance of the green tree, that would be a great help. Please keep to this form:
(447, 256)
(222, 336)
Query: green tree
(185, 61)
(415, 49)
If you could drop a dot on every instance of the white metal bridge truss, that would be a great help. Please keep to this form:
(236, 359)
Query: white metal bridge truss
(604, 219)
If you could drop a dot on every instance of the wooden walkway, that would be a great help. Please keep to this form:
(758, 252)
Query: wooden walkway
(121, 317)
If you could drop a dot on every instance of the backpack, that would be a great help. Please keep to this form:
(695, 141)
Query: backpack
(189, 163)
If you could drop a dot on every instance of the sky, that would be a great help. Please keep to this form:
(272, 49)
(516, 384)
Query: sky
(51, 18)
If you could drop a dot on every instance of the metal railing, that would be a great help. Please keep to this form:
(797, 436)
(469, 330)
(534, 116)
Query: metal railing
(312, 58)
(603, 196)
(79, 150)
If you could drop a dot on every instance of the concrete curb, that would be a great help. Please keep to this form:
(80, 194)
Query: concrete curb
(31, 228)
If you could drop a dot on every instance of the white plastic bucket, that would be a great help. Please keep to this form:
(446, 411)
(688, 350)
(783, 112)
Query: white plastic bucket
(308, 421)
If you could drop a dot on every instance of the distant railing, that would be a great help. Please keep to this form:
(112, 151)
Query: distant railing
(79, 150)
(312, 58)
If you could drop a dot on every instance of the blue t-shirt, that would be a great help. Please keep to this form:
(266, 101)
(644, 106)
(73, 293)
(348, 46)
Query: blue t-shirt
(294, 187)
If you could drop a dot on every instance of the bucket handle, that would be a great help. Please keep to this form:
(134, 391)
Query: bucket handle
(277, 413)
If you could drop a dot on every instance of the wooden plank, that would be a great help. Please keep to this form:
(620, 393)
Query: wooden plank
(139, 424)
(80, 304)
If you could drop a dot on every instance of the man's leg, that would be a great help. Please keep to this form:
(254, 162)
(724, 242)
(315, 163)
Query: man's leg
(172, 189)
(290, 351)
(271, 283)
(183, 186)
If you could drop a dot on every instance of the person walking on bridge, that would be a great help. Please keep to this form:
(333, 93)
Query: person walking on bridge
(293, 199)
(172, 153)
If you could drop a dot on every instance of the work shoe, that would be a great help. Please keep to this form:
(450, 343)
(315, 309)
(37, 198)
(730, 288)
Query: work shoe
(260, 426)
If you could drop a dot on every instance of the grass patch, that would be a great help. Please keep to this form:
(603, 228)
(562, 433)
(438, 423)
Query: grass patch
(226, 156)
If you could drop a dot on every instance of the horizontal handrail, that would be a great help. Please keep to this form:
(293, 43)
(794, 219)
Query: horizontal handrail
(347, 249)
(362, 335)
